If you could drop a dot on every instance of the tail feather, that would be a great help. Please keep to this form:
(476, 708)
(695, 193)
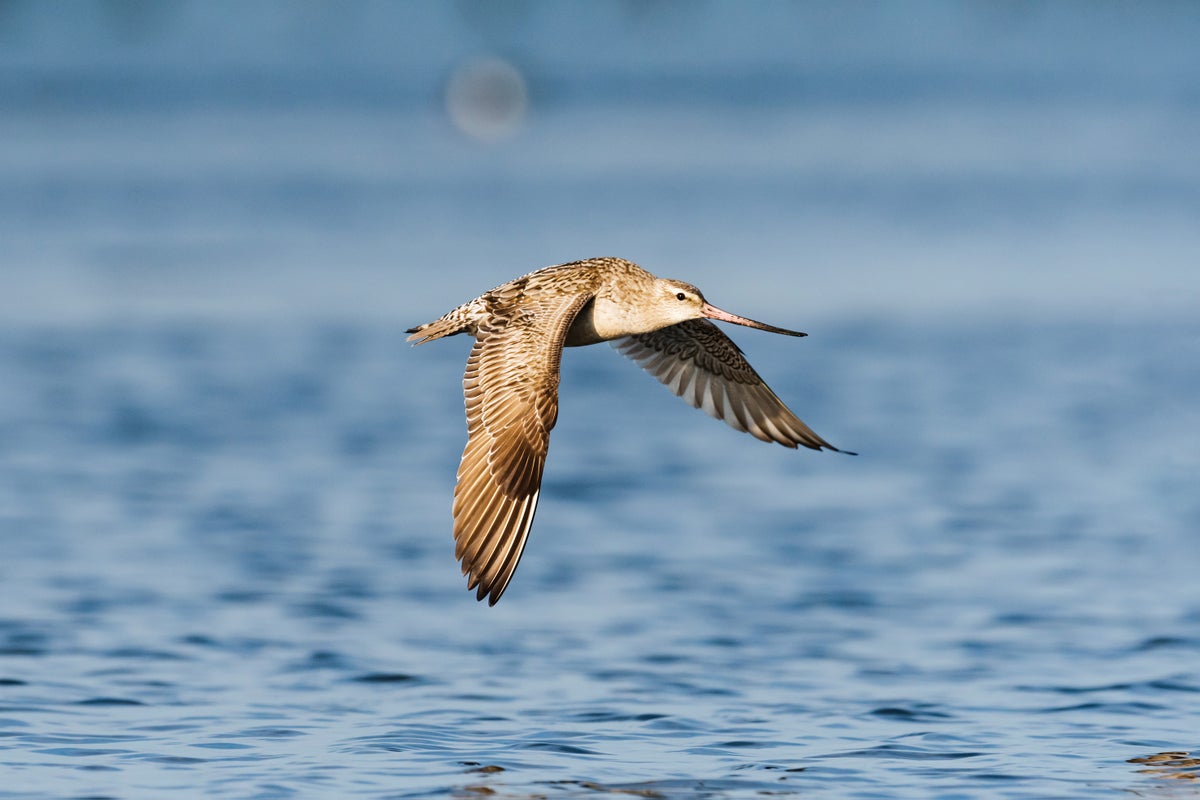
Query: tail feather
(447, 325)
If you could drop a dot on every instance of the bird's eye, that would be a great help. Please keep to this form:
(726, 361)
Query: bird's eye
(681, 296)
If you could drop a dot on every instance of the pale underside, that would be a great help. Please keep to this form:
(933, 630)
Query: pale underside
(511, 390)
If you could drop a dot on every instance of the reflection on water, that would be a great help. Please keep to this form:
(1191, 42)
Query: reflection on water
(1175, 765)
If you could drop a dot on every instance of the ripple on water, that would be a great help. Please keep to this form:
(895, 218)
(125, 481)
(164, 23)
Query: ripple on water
(902, 752)
(916, 714)
(925, 631)
(388, 678)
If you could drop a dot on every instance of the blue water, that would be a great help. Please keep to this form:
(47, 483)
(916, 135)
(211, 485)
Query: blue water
(226, 567)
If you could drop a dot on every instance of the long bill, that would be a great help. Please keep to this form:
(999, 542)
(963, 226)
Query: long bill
(712, 312)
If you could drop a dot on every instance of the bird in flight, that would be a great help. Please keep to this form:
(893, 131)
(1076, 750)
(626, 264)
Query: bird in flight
(511, 386)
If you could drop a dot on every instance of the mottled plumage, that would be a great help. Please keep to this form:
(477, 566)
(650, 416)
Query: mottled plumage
(511, 386)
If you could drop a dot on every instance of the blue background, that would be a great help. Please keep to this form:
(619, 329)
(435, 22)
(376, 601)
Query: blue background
(225, 480)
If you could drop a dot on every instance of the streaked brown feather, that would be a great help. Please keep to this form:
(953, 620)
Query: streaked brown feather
(511, 391)
(510, 387)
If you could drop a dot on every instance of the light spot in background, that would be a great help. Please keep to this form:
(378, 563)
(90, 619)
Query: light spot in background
(486, 99)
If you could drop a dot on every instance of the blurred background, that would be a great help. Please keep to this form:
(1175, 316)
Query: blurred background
(392, 159)
(226, 480)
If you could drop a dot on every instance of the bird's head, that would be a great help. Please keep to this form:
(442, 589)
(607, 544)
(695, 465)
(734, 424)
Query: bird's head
(676, 301)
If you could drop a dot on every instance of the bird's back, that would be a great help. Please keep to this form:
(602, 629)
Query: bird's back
(499, 305)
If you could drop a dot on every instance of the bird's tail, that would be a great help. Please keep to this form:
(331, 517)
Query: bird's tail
(459, 320)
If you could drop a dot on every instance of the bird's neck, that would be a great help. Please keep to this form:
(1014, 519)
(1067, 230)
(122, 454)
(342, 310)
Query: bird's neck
(601, 320)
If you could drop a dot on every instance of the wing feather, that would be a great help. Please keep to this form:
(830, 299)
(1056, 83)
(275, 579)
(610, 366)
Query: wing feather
(699, 363)
(511, 391)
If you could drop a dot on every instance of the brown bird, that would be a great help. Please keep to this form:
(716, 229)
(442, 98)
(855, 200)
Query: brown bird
(511, 386)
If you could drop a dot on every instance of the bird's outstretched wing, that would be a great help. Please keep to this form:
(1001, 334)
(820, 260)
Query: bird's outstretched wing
(511, 391)
(698, 362)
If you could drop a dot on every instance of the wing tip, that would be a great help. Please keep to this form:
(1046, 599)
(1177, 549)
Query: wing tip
(491, 591)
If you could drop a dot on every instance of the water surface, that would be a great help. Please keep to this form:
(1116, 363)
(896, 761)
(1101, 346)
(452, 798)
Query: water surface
(228, 569)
